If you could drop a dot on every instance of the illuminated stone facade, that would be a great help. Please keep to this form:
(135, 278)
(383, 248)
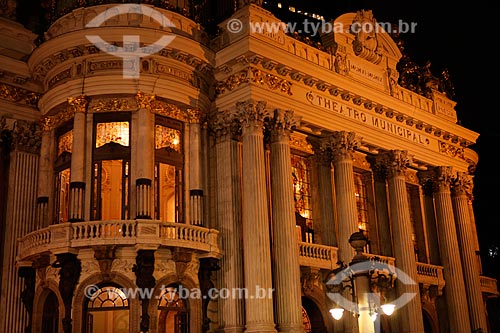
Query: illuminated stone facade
(242, 159)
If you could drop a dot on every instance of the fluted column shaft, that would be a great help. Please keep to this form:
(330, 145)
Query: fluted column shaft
(455, 294)
(195, 180)
(231, 310)
(256, 241)
(77, 176)
(342, 146)
(410, 314)
(462, 186)
(285, 245)
(326, 198)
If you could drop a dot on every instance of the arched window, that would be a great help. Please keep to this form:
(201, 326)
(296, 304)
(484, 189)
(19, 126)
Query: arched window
(50, 316)
(107, 310)
(172, 312)
(306, 321)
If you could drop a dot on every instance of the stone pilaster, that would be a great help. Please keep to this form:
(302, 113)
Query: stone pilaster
(455, 293)
(45, 177)
(20, 217)
(286, 266)
(256, 241)
(461, 189)
(397, 162)
(144, 161)
(325, 187)
(196, 203)
(78, 107)
(228, 217)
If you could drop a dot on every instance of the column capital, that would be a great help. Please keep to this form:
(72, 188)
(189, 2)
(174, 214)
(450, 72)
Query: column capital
(223, 124)
(145, 101)
(251, 115)
(396, 162)
(341, 144)
(281, 125)
(462, 184)
(443, 177)
(78, 104)
(26, 136)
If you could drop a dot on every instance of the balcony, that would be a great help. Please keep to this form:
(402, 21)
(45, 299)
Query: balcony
(489, 286)
(317, 256)
(60, 238)
(430, 275)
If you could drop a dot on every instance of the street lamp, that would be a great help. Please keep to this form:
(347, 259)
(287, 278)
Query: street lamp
(366, 280)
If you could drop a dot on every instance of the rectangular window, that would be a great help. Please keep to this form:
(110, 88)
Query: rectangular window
(166, 137)
(62, 196)
(117, 132)
(362, 204)
(168, 192)
(65, 143)
(111, 190)
(301, 180)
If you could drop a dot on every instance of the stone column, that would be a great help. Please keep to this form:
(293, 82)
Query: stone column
(196, 202)
(78, 106)
(474, 232)
(19, 220)
(461, 189)
(342, 145)
(45, 177)
(325, 188)
(231, 310)
(410, 314)
(256, 241)
(455, 294)
(145, 156)
(286, 266)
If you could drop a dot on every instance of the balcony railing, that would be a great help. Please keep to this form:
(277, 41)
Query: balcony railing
(61, 237)
(430, 274)
(489, 286)
(317, 255)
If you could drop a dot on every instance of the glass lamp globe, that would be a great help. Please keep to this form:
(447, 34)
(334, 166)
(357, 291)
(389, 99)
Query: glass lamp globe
(388, 308)
(337, 313)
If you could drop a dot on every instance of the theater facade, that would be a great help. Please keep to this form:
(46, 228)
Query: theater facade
(161, 176)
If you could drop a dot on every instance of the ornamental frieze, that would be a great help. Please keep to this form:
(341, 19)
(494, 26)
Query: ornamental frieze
(254, 75)
(112, 104)
(451, 150)
(59, 57)
(19, 95)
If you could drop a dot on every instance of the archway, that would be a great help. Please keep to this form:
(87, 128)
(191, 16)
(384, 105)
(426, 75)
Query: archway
(107, 310)
(172, 312)
(50, 315)
(315, 320)
(427, 323)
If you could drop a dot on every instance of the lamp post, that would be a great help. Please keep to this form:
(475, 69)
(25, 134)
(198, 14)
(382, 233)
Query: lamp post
(370, 283)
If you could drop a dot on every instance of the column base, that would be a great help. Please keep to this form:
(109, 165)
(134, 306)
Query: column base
(261, 328)
(238, 329)
(291, 328)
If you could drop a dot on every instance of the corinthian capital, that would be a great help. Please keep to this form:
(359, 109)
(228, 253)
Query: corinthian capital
(396, 162)
(462, 184)
(282, 124)
(443, 178)
(222, 124)
(341, 145)
(252, 114)
(78, 104)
